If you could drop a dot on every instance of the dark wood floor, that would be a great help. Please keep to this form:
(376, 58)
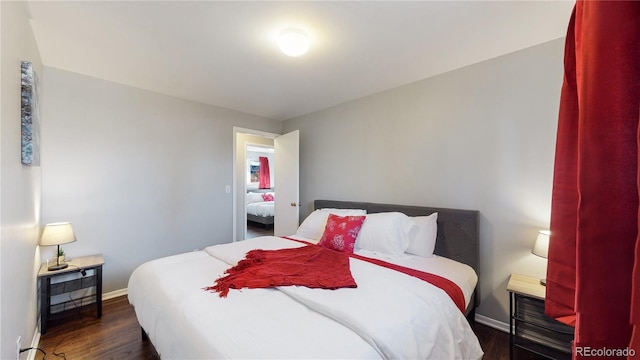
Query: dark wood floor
(117, 336)
(255, 230)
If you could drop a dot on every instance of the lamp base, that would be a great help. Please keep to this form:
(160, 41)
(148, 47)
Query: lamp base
(58, 267)
(543, 282)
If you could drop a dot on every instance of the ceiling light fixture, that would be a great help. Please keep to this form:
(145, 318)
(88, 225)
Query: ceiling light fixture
(293, 42)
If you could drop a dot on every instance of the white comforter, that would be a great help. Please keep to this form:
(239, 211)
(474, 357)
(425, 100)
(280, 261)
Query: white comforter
(263, 208)
(389, 315)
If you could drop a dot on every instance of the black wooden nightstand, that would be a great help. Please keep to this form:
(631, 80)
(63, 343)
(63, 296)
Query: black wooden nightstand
(529, 327)
(62, 283)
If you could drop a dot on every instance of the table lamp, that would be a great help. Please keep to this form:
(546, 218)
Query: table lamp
(541, 248)
(57, 234)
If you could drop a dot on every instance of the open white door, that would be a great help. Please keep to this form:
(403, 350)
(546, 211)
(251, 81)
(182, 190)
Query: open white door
(286, 175)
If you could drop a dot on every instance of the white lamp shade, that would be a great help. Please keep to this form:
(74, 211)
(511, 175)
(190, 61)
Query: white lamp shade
(541, 246)
(293, 42)
(57, 233)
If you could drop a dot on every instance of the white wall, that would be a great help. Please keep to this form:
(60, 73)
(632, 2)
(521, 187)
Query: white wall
(138, 174)
(20, 188)
(481, 137)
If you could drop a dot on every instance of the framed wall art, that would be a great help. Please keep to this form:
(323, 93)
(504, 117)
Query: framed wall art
(30, 116)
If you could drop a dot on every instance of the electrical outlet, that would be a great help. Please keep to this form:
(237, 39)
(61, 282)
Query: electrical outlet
(18, 347)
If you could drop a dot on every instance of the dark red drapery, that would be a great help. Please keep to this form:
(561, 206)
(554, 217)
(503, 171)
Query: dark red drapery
(265, 175)
(591, 278)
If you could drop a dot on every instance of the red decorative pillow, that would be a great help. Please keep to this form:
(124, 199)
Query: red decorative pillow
(267, 197)
(341, 232)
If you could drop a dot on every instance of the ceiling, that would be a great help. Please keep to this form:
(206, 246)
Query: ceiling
(224, 53)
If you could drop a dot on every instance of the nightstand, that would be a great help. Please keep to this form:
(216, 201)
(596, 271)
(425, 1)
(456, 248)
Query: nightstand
(529, 327)
(57, 288)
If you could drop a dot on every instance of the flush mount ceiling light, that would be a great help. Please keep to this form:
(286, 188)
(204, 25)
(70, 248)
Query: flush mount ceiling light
(293, 42)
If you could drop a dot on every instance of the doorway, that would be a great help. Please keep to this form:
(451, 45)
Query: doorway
(260, 187)
(249, 147)
(285, 174)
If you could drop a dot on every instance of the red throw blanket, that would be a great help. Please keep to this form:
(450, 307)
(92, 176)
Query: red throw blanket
(311, 266)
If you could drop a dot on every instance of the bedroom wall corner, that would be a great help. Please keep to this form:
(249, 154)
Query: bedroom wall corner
(481, 137)
(140, 175)
(20, 187)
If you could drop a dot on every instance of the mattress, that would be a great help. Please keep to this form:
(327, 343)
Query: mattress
(263, 208)
(389, 315)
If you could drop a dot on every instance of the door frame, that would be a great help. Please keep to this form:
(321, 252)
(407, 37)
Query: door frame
(234, 191)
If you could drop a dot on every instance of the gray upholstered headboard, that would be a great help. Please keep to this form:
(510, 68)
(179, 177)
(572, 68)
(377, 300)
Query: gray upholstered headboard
(458, 236)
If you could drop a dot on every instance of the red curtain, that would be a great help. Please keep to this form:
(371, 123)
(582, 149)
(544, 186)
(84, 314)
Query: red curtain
(265, 176)
(592, 277)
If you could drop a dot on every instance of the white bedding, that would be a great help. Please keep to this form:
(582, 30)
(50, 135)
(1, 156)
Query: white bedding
(389, 315)
(461, 274)
(263, 208)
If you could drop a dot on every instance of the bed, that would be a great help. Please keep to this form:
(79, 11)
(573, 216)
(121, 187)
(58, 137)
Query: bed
(388, 315)
(260, 207)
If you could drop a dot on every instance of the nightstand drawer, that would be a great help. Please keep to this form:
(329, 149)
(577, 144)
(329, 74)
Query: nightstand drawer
(531, 311)
(545, 337)
(532, 324)
(72, 285)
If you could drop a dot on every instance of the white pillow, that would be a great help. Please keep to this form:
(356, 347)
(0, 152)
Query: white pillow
(313, 226)
(254, 197)
(387, 233)
(424, 242)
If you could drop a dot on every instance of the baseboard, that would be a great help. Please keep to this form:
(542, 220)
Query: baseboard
(498, 325)
(34, 343)
(114, 294)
